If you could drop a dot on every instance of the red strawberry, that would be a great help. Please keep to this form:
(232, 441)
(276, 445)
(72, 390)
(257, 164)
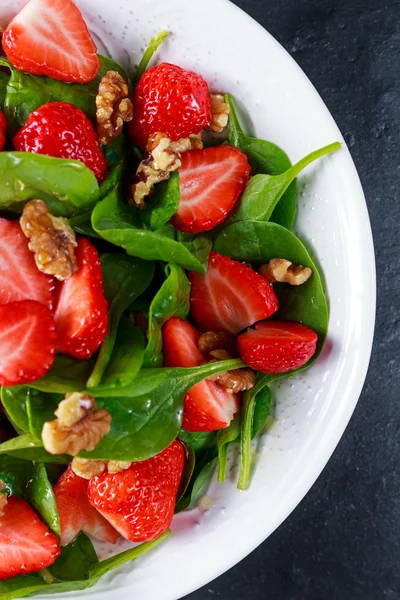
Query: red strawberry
(50, 37)
(171, 100)
(140, 501)
(62, 130)
(208, 406)
(81, 312)
(3, 131)
(230, 296)
(277, 346)
(211, 181)
(26, 545)
(75, 512)
(20, 278)
(27, 342)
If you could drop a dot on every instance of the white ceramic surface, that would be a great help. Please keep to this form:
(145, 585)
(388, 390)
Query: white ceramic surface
(235, 54)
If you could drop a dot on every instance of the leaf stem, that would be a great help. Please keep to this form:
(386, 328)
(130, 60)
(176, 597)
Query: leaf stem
(151, 49)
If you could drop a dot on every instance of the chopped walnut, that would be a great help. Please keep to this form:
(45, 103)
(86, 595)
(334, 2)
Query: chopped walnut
(3, 498)
(51, 239)
(113, 107)
(115, 466)
(220, 113)
(217, 340)
(88, 468)
(284, 271)
(220, 354)
(78, 426)
(162, 157)
(234, 381)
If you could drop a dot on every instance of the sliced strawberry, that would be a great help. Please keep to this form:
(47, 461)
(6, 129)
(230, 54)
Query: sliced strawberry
(3, 131)
(277, 346)
(26, 545)
(75, 512)
(27, 342)
(230, 296)
(208, 406)
(50, 37)
(20, 278)
(81, 312)
(211, 182)
(140, 501)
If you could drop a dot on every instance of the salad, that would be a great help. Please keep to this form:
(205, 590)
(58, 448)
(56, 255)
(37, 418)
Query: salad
(151, 288)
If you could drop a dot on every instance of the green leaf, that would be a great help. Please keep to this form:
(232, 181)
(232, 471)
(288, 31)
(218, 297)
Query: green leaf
(82, 224)
(262, 410)
(125, 278)
(13, 400)
(163, 204)
(75, 561)
(199, 480)
(41, 496)
(151, 49)
(27, 448)
(4, 79)
(15, 474)
(267, 158)
(21, 586)
(171, 300)
(40, 408)
(198, 440)
(199, 245)
(147, 414)
(65, 376)
(187, 473)
(118, 224)
(116, 154)
(67, 186)
(225, 438)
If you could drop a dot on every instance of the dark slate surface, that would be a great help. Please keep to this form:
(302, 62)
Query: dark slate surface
(342, 542)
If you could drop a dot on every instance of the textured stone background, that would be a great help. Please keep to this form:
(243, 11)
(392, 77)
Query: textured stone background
(343, 540)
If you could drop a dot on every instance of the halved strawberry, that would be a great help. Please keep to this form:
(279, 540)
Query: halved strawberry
(81, 311)
(27, 342)
(208, 406)
(26, 545)
(20, 279)
(3, 131)
(76, 513)
(211, 182)
(140, 501)
(50, 37)
(230, 296)
(277, 346)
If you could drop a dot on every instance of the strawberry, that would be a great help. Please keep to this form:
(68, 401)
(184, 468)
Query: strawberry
(81, 311)
(230, 296)
(211, 181)
(50, 37)
(140, 501)
(3, 131)
(171, 100)
(62, 130)
(76, 513)
(27, 342)
(20, 278)
(277, 346)
(26, 545)
(208, 406)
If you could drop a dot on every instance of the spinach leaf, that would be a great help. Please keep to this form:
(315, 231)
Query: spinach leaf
(200, 478)
(40, 408)
(15, 473)
(171, 300)
(21, 586)
(147, 414)
(262, 410)
(13, 400)
(67, 186)
(4, 79)
(198, 440)
(116, 154)
(257, 242)
(124, 279)
(162, 204)
(263, 192)
(66, 375)
(264, 157)
(151, 49)
(199, 245)
(41, 496)
(75, 560)
(82, 225)
(187, 473)
(118, 224)
(27, 448)
(224, 439)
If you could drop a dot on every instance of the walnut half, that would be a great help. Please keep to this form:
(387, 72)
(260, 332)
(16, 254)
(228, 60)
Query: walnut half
(89, 468)
(3, 498)
(283, 271)
(113, 107)
(220, 113)
(78, 426)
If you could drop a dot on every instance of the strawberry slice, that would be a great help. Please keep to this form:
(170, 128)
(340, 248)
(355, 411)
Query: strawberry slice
(211, 182)
(81, 312)
(26, 545)
(75, 512)
(140, 501)
(27, 342)
(50, 37)
(20, 278)
(3, 131)
(277, 346)
(230, 296)
(208, 406)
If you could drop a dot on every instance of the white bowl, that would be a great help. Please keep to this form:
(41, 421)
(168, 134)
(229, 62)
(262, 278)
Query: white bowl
(235, 54)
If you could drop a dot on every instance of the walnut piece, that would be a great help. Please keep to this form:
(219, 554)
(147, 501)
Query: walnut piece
(78, 427)
(3, 498)
(220, 113)
(220, 354)
(51, 239)
(162, 157)
(115, 466)
(234, 381)
(89, 468)
(216, 340)
(283, 271)
(113, 107)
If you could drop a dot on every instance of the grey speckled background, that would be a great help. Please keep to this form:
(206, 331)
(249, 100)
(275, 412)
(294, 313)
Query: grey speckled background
(343, 540)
